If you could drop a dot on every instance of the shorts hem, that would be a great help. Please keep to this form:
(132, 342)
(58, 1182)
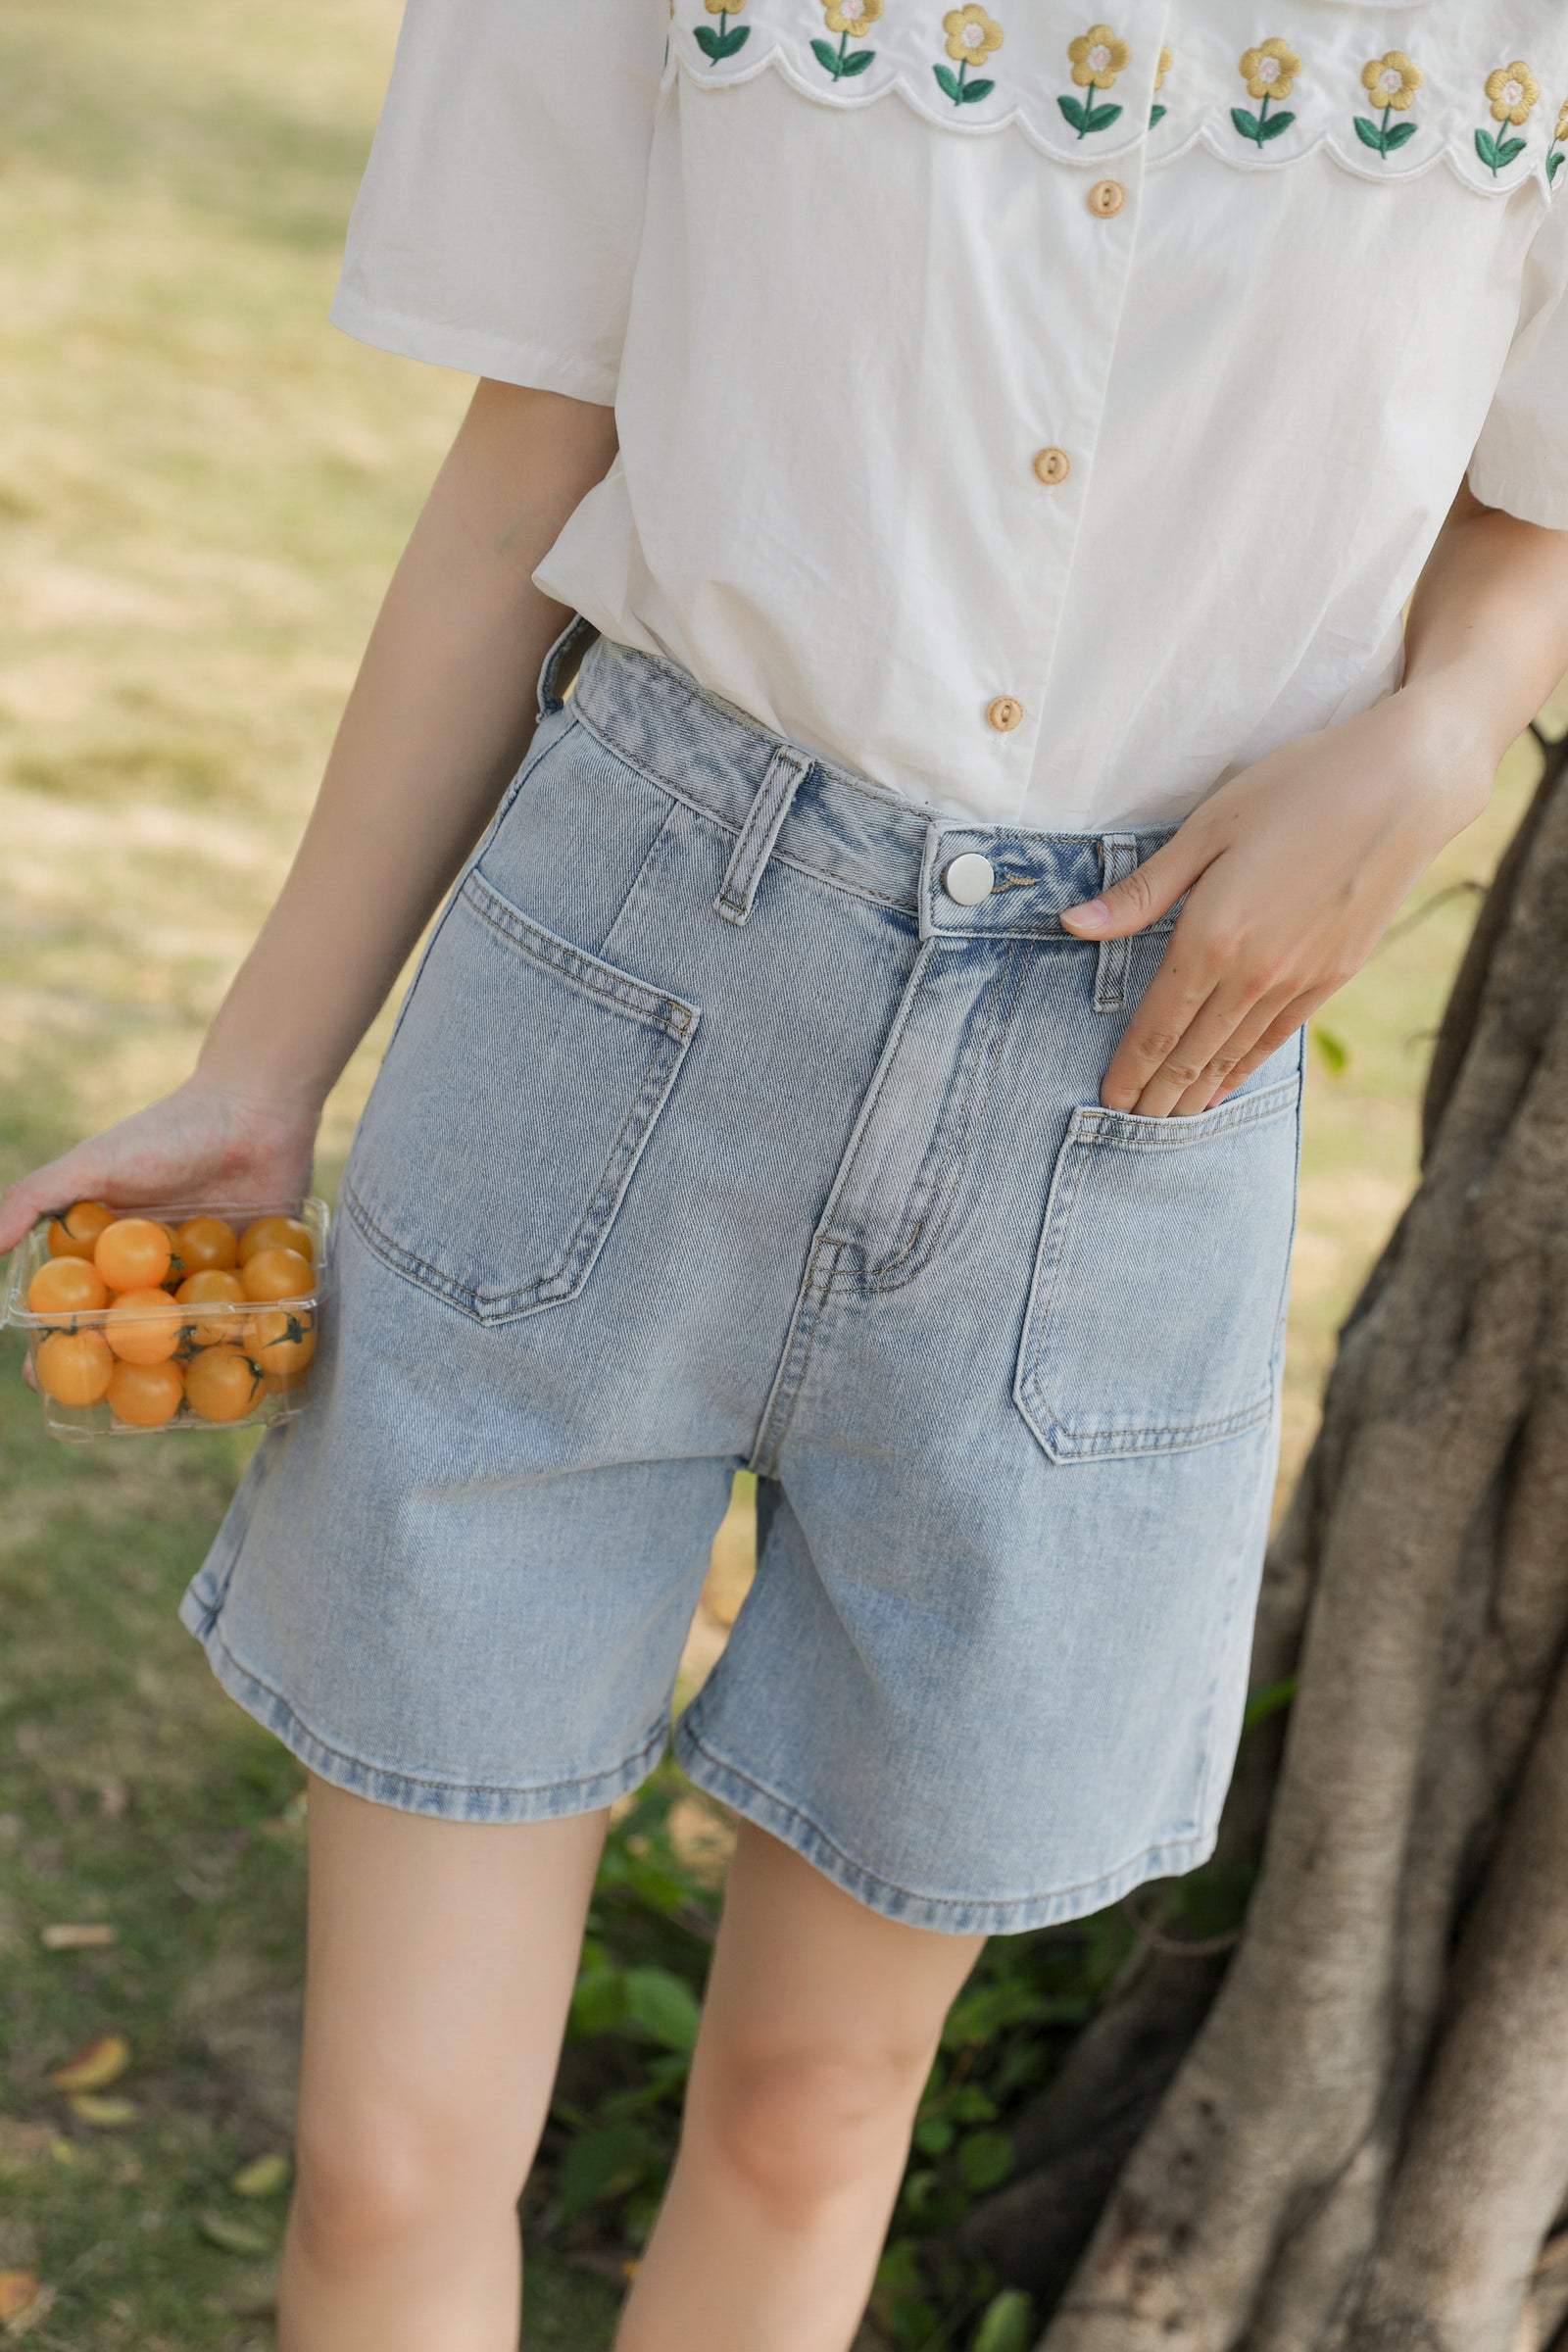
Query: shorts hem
(953, 1915)
(407, 1792)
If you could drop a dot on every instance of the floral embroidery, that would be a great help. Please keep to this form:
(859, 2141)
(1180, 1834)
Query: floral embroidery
(1391, 81)
(1098, 57)
(972, 35)
(1514, 91)
(850, 20)
(722, 43)
(1560, 141)
(1269, 72)
(1157, 113)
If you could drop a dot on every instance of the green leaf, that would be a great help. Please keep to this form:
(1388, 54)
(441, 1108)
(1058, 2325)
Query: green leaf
(827, 56)
(974, 91)
(663, 2007)
(1007, 2324)
(262, 2177)
(1509, 149)
(985, 2159)
(1101, 118)
(598, 2003)
(946, 82)
(934, 2136)
(1272, 1699)
(1158, 114)
(235, 2238)
(1401, 134)
(1275, 125)
(1246, 123)
(1487, 148)
(1370, 137)
(857, 61)
(604, 2163)
(1553, 163)
(970, 2105)
(707, 40)
(1073, 111)
(1332, 1047)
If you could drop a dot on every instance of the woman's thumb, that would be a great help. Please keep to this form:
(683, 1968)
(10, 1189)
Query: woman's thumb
(1142, 897)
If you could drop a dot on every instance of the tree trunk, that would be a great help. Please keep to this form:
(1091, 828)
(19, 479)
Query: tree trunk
(1352, 2135)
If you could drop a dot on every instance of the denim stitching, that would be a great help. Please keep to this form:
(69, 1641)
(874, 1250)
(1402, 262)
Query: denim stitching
(654, 1007)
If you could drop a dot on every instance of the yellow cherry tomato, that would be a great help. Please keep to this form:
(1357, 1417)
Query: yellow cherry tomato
(74, 1234)
(278, 1384)
(277, 1233)
(277, 1273)
(280, 1338)
(75, 1367)
(67, 1286)
(134, 1254)
(221, 1384)
(141, 1327)
(146, 1395)
(208, 1246)
(210, 1288)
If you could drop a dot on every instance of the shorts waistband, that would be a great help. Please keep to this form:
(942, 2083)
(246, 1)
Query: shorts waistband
(842, 828)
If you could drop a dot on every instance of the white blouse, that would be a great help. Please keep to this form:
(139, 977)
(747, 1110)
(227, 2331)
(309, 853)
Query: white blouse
(1040, 416)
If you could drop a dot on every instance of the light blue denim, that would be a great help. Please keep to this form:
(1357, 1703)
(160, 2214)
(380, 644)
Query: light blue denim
(713, 1132)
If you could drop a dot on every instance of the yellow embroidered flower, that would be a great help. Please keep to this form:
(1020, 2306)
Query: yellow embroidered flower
(972, 35)
(1269, 69)
(1514, 91)
(854, 17)
(1098, 57)
(1165, 62)
(1391, 81)
(1560, 135)
(724, 8)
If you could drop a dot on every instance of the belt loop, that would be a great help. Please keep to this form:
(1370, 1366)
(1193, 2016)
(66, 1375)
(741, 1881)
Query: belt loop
(562, 664)
(764, 820)
(1118, 855)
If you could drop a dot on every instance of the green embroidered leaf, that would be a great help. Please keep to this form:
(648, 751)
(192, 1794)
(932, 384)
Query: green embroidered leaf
(857, 61)
(827, 56)
(1074, 113)
(1245, 123)
(946, 82)
(1275, 125)
(1401, 134)
(707, 40)
(1370, 137)
(1158, 114)
(1487, 148)
(1554, 163)
(973, 91)
(1101, 118)
(1510, 149)
(734, 40)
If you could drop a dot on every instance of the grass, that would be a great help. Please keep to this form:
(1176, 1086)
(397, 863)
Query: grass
(203, 489)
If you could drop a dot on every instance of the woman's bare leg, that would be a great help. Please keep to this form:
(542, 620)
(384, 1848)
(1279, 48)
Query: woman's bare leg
(818, 2032)
(440, 1963)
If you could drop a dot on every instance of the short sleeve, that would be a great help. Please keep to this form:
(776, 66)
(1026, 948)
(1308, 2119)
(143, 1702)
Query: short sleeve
(497, 223)
(1521, 460)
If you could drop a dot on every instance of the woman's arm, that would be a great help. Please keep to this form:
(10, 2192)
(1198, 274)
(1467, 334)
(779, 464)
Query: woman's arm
(1295, 867)
(438, 720)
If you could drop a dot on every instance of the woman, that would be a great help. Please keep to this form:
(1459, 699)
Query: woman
(993, 452)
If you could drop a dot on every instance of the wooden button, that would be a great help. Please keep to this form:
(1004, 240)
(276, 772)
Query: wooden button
(1004, 714)
(1052, 465)
(1107, 198)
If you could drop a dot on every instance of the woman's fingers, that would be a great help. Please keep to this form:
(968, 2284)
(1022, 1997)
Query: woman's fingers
(1282, 1025)
(1150, 891)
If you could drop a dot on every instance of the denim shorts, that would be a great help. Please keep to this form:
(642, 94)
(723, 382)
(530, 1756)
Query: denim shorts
(730, 1121)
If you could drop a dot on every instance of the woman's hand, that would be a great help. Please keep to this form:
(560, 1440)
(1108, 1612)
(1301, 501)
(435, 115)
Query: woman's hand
(202, 1143)
(1292, 872)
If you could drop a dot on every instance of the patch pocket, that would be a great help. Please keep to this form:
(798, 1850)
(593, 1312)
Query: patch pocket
(509, 1116)
(1159, 1286)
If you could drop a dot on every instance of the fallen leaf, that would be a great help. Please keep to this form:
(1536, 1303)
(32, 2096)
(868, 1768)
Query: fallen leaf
(262, 2177)
(18, 2288)
(235, 2238)
(77, 1936)
(34, 2315)
(96, 2064)
(104, 2115)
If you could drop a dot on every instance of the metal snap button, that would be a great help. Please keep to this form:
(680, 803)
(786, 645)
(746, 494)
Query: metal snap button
(1052, 465)
(1004, 714)
(1107, 198)
(969, 879)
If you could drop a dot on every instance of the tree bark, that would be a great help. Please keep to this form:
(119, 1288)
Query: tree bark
(1352, 2135)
